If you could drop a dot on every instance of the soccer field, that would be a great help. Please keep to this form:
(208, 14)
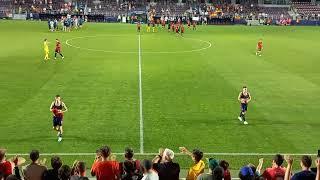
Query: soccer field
(189, 89)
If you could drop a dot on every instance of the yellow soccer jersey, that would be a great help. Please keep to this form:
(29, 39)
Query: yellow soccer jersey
(45, 46)
(196, 170)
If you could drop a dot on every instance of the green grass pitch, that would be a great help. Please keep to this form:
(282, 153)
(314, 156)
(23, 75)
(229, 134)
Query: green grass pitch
(189, 89)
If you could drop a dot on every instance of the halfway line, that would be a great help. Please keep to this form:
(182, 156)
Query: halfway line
(140, 99)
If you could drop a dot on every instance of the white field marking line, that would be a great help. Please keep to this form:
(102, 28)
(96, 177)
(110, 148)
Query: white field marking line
(209, 45)
(177, 154)
(140, 98)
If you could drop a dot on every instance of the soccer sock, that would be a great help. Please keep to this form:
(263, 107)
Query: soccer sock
(243, 117)
(240, 115)
(55, 55)
(61, 55)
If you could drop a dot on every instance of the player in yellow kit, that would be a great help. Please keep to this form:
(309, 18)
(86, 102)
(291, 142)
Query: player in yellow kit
(46, 49)
(148, 27)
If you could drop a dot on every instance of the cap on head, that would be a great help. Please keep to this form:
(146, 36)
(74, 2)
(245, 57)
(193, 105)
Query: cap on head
(213, 163)
(246, 171)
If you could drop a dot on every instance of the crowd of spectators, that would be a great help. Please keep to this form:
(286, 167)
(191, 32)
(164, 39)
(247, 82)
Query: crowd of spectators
(306, 10)
(161, 167)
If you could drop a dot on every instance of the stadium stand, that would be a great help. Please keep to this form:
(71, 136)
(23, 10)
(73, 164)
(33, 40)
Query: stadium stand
(162, 167)
(6, 7)
(306, 10)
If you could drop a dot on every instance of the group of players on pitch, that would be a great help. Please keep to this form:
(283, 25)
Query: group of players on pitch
(56, 51)
(176, 27)
(58, 108)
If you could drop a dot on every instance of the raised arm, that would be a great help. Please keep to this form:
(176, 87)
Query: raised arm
(185, 151)
(259, 167)
(158, 158)
(289, 161)
(318, 169)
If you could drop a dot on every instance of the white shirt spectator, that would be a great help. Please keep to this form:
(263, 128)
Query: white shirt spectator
(151, 175)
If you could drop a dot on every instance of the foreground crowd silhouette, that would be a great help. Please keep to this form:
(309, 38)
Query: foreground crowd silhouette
(161, 167)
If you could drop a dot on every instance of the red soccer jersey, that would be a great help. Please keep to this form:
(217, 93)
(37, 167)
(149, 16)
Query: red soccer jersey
(58, 46)
(6, 168)
(260, 45)
(182, 29)
(106, 170)
(57, 112)
(273, 173)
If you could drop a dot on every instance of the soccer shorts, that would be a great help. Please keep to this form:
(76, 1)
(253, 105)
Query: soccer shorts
(244, 107)
(57, 50)
(57, 121)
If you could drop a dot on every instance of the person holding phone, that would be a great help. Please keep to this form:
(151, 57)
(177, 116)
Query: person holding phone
(104, 168)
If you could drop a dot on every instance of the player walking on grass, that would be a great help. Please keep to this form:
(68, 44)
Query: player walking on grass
(181, 29)
(244, 98)
(138, 27)
(58, 108)
(58, 49)
(259, 48)
(46, 49)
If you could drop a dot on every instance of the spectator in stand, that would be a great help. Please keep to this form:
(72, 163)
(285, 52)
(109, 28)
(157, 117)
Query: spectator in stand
(130, 167)
(276, 171)
(52, 174)
(162, 163)
(64, 172)
(246, 173)
(198, 166)
(226, 173)
(34, 171)
(16, 175)
(148, 172)
(305, 174)
(212, 163)
(218, 173)
(79, 171)
(103, 168)
(5, 166)
(12, 177)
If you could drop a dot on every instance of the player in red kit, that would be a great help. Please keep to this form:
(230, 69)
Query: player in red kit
(259, 48)
(181, 29)
(57, 108)
(172, 27)
(194, 25)
(138, 26)
(58, 49)
(177, 28)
